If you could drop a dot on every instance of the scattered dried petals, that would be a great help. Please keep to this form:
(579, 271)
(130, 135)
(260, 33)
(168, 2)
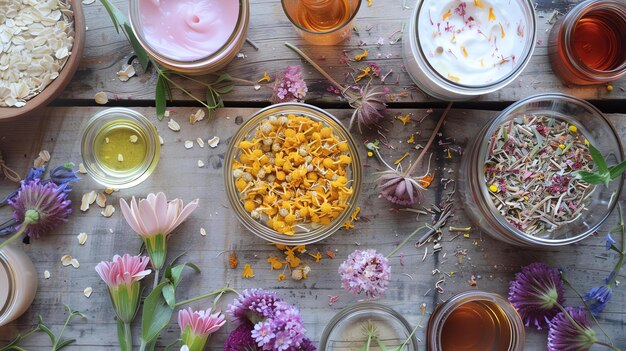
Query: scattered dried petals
(447, 15)
(361, 56)
(266, 78)
(477, 3)
(492, 16)
(332, 299)
(248, 272)
(232, 260)
(331, 254)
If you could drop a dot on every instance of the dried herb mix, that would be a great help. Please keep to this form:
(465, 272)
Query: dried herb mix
(529, 169)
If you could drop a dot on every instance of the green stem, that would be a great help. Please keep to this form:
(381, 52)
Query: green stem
(128, 337)
(156, 279)
(409, 338)
(59, 337)
(610, 346)
(221, 291)
(23, 227)
(571, 319)
(406, 240)
(162, 74)
(430, 141)
(315, 65)
(567, 282)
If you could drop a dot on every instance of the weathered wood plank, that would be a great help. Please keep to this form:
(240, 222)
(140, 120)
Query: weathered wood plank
(106, 52)
(58, 130)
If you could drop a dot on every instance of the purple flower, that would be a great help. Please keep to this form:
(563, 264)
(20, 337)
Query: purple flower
(34, 173)
(241, 339)
(536, 293)
(40, 207)
(257, 302)
(369, 106)
(268, 322)
(290, 87)
(609, 242)
(600, 295)
(399, 188)
(64, 175)
(365, 271)
(565, 336)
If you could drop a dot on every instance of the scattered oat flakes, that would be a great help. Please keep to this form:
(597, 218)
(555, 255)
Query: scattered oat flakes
(133, 138)
(125, 74)
(108, 211)
(82, 238)
(188, 144)
(161, 140)
(202, 231)
(74, 263)
(66, 260)
(108, 191)
(101, 200)
(46, 274)
(88, 199)
(106, 140)
(173, 125)
(88, 2)
(120, 158)
(167, 113)
(88, 291)
(35, 42)
(200, 142)
(200, 164)
(45, 155)
(197, 117)
(214, 141)
(101, 98)
(82, 169)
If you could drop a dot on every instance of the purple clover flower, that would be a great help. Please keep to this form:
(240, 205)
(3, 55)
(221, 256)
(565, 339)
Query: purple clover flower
(268, 322)
(365, 271)
(42, 207)
(564, 335)
(536, 293)
(290, 86)
(609, 241)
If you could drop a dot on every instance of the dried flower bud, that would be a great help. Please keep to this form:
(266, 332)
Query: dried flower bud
(369, 106)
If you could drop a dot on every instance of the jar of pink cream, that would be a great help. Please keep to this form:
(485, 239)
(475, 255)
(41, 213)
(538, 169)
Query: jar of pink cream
(18, 283)
(190, 36)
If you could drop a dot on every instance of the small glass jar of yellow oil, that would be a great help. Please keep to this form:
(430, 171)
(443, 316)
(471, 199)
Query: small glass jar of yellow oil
(120, 148)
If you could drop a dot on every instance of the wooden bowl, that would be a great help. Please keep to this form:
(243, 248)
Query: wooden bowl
(65, 76)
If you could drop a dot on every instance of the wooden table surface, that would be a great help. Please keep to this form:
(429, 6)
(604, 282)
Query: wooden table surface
(57, 129)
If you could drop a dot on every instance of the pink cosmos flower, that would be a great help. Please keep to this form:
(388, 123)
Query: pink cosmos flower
(122, 276)
(154, 218)
(155, 215)
(196, 326)
(123, 270)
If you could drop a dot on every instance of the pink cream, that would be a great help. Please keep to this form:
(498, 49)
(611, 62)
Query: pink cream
(188, 30)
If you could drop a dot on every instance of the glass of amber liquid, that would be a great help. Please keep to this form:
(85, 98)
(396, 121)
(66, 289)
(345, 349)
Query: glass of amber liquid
(588, 45)
(322, 22)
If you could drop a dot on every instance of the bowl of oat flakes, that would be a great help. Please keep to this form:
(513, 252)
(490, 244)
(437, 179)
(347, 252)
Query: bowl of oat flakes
(293, 174)
(40, 49)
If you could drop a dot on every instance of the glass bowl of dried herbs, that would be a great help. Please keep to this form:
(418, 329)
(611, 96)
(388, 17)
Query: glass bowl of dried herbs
(520, 177)
(292, 174)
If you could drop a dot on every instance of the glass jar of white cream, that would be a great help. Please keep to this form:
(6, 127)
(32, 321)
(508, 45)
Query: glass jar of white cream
(457, 50)
(18, 283)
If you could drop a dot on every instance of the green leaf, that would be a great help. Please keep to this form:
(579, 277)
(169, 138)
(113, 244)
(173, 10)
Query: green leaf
(222, 78)
(225, 89)
(212, 99)
(381, 345)
(142, 55)
(160, 97)
(598, 159)
(617, 170)
(591, 178)
(11, 344)
(169, 294)
(156, 314)
(46, 330)
(64, 343)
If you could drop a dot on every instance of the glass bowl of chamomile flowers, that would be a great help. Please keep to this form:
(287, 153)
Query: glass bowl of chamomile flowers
(293, 174)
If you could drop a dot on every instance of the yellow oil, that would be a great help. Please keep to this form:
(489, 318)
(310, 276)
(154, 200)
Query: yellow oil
(121, 146)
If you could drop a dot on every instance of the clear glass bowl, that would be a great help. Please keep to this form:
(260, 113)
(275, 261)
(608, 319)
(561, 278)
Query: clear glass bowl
(211, 63)
(591, 123)
(256, 226)
(104, 121)
(345, 331)
(513, 322)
